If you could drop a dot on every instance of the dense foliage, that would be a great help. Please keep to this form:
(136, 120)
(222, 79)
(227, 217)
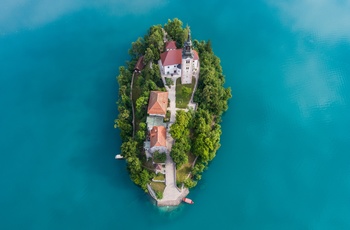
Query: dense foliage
(180, 131)
(199, 132)
(176, 32)
(149, 79)
(211, 94)
(159, 157)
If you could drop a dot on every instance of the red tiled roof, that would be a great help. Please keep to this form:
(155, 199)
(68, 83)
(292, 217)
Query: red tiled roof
(139, 65)
(195, 56)
(159, 167)
(158, 136)
(158, 103)
(171, 57)
(170, 45)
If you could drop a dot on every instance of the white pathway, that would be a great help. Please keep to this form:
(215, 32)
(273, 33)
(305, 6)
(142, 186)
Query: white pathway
(172, 195)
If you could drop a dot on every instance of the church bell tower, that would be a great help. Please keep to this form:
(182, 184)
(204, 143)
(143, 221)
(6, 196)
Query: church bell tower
(187, 60)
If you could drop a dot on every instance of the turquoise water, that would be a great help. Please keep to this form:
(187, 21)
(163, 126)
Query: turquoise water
(284, 161)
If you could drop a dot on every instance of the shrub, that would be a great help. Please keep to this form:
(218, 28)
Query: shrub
(159, 195)
(159, 157)
(189, 183)
(169, 82)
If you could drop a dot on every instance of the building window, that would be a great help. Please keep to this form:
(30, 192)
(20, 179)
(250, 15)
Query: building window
(187, 61)
(168, 67)
(187, 67)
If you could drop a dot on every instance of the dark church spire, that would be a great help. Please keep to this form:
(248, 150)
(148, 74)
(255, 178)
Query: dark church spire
(187, 49)
(189, 35)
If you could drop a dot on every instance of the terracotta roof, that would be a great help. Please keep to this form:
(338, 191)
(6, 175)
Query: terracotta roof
(195, 56)
(158, 103)
(159, 167)
(171, 57)
(170, 45)
(139, 65)
(158, 136)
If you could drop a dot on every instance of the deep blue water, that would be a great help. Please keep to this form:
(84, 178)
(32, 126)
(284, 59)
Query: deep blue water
(284, 161)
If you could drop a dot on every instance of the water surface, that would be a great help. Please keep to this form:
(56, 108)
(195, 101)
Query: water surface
(284, 161)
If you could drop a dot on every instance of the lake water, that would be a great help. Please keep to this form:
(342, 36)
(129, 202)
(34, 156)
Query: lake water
(284, 161)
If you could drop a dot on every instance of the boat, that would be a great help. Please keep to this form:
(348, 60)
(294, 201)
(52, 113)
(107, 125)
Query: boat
(187, 200)
(119, 157)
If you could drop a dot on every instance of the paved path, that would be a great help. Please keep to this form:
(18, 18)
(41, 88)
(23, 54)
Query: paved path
(172, 195)
(172, 107)
(164, 35)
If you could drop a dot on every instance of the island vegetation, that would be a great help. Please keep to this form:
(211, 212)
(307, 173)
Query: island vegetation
(196, 133)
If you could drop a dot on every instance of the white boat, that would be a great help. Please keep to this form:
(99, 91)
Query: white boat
(119, 157)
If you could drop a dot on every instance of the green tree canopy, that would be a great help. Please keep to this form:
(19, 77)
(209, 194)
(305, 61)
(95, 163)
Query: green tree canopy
(148, 56)
(175, 31)
(137, 48)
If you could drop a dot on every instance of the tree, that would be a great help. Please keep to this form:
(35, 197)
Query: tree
(198, 168)
(211, 94)
(125, 129)
(141, 103)
(169, 82)
(159, 157)
(149, 56)
(179, 158)
(129, 149)
(175, 31)
(154, 41)
(182, 124)
(186, 91)
(179, 152)
(190, 183)
(156, 38)
(124, 77)
(140, 136)
(137, 48)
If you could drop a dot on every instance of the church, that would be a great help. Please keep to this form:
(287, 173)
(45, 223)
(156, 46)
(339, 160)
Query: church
(183, 62)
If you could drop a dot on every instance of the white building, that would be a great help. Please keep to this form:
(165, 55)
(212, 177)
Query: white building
(184, 62)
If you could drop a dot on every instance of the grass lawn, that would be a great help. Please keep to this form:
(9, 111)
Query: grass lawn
(136, 91)
(159, 176)
(183, 172)
(181, 98)
(148, 164)
(185, 169)
(158, 187)
(158, 161)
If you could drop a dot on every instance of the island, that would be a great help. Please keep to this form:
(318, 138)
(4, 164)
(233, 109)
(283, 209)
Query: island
(171, 100)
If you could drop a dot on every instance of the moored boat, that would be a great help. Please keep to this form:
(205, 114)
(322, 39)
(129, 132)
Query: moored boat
(187, 200)
(119, 157)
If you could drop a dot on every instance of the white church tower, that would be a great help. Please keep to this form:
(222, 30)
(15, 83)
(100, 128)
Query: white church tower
(187, 61)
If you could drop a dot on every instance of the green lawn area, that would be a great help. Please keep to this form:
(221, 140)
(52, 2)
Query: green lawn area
(159, 176)
(182, 98)
(136, 91)
(158, 188)
(148, 164)
(182, 173)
